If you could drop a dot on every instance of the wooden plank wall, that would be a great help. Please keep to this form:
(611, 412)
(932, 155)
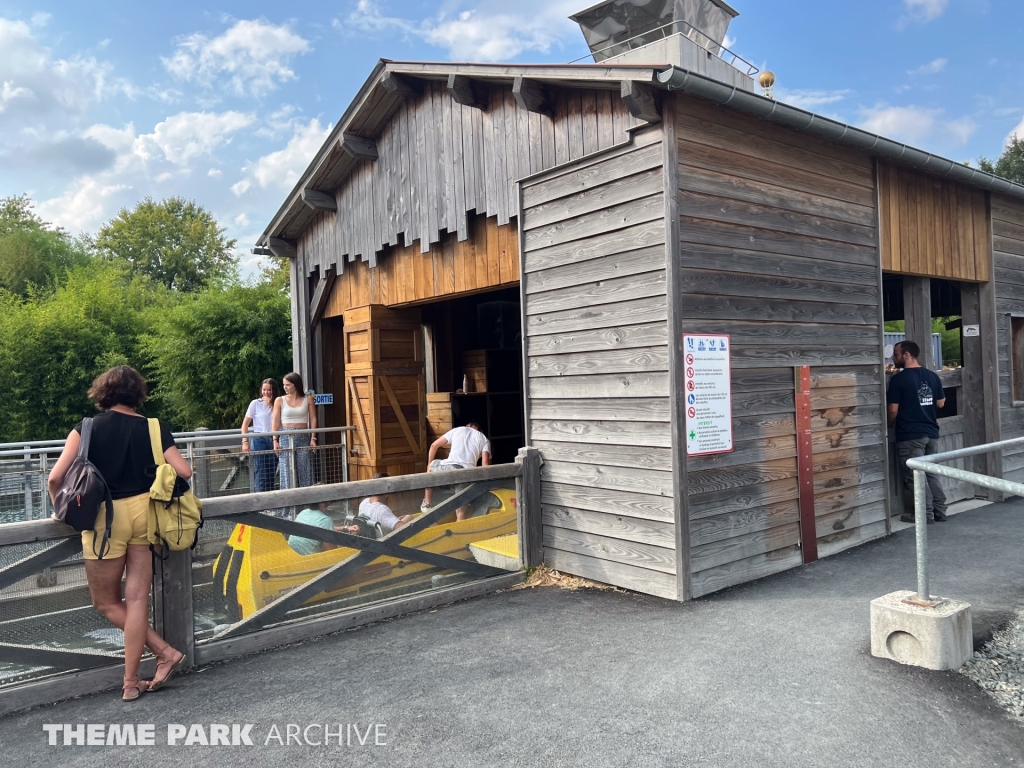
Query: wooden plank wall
(931, 226)
(439, 160)
(487, 259)
(598, 382)
(778, 250)
(1008, 258)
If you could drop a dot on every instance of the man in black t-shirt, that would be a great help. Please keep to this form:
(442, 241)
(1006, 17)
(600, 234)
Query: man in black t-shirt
(914, 398)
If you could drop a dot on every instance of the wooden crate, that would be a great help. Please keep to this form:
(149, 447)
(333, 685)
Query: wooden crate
(385, 391)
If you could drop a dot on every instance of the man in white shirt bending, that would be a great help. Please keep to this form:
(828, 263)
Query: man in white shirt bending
(467, 446)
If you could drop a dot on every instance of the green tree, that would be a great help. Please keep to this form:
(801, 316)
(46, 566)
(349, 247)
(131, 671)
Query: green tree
(34, 255)
(1010, 164)
(52, 346)
(175, 242)
(211, 350)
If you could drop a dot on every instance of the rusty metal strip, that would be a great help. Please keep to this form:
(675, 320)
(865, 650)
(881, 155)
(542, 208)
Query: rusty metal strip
(805, 463)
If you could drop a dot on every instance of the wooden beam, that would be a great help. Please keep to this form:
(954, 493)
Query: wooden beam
(531, 95)
(319, 201)
(397, 85)
(414, 445)
(641, 101)
(531, 524)
(359, 147)
(281, 248)
(172, 600)
(321, 295)
(461, 89)
(31, 656)
(36, 562)
(917, 315)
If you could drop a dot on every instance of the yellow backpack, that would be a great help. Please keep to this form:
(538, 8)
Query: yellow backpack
(175, 514)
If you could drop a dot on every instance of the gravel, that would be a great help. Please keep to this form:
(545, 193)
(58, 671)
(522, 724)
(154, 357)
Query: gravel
(999, 667)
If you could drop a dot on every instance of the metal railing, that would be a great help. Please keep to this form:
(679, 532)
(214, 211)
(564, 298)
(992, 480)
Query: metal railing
(221, 467)
(933, 465)
(684, 28)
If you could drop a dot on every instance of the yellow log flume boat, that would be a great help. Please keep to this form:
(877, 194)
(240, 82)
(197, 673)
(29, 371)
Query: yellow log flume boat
(257, 566)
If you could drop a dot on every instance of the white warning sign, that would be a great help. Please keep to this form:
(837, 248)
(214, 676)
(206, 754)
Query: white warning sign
(708, 383)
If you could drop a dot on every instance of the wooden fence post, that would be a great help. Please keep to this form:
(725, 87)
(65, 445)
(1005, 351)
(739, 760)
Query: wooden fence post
(531, 527)
(172, 602)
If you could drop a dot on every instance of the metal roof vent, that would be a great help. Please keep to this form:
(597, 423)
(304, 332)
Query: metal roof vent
(615, 27)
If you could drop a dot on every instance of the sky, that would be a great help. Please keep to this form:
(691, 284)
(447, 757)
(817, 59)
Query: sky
(104, 104)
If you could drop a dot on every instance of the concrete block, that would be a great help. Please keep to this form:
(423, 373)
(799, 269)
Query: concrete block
(933, 638)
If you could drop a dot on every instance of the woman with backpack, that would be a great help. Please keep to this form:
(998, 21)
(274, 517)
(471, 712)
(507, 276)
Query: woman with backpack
(120, 449)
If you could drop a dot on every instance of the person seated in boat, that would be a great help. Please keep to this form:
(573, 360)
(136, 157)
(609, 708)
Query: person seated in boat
(376, 509)
(318, 518)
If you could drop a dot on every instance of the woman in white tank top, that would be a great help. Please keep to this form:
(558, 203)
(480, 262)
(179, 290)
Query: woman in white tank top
(295, 410)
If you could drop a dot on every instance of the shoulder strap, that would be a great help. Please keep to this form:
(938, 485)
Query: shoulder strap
(156, 442)
(83, 444)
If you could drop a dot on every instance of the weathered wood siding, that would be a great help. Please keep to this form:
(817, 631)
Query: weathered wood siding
(487, 259)
(778, 249)
(439, 160)
(598, 382)
(1008, 258)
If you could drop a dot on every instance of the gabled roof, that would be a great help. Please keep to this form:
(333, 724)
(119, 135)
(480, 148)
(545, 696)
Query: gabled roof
(374, 105)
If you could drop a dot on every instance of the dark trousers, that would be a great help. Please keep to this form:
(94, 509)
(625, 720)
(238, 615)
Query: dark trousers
(263, 462)
(935, 499)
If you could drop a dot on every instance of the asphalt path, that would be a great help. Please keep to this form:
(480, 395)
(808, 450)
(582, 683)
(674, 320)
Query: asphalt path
(774, 673)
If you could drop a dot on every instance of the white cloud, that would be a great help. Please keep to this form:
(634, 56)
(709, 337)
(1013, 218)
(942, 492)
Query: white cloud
(1018, 132)
(931, 68)
(38, 90)
(241, 220)
(961, 129)
(493, 31)
(915, 125)
(82, 206)
(215, 173)
(282, 169)
(908, 124)
(187, 135)
(253, 57)
(40, 19)
(923, 10)
(810, 99)
(241, 187)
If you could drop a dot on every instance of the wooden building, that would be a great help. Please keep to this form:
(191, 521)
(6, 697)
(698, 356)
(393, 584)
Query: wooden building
(548, 234)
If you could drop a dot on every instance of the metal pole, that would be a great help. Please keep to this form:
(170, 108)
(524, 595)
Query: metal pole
(29, 513)
(344, 457)
(921, 529)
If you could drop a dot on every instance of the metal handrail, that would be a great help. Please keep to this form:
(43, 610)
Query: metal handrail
(735, 57)
(181, 438)
(931, 464)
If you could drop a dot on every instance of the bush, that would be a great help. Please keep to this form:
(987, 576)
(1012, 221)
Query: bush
(210, 352)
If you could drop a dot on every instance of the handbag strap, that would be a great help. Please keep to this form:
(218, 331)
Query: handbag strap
(155, 442)
(86, 438)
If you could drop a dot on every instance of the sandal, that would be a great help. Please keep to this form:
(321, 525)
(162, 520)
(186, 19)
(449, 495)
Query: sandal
(133, 688)
(166, 666)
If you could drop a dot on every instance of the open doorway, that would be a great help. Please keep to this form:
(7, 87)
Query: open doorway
(473, 359)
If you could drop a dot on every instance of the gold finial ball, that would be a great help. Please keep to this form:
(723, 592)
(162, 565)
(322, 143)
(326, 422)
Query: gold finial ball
(767, 79)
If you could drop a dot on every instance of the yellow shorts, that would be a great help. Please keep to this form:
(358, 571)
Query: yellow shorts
(131, 523)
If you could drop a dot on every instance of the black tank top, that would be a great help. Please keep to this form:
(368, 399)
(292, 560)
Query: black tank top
(121, 451)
